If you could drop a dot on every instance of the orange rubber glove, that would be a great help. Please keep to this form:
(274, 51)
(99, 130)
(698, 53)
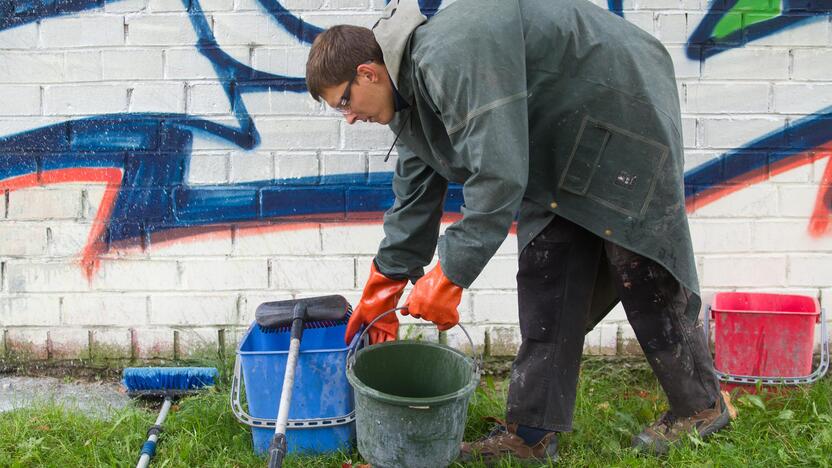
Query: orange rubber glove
(434, 297)
(380, 295)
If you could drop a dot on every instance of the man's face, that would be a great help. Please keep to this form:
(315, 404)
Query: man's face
(369, 95)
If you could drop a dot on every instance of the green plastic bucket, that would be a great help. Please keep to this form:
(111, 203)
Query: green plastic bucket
(411, 402)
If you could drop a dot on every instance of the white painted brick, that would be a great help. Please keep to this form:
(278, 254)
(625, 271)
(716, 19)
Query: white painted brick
(801, 174)
(644, 20)
(689, 126)
(84, 65)
(251, 166)
(812, 64)
(351, 238)
(225, 274)
(732, 132)
(796, 200)
(628, 342)
(362, 272)
(110, 343)
(810, 270)
(270, 59)
(20, 37)
(126, 6)
(314, 134)
(29, 343)
(694, 159)
(665, 4)
(717, 236)
(672, 28)
(294, 165)
(297, 61)
(278, 239)
(251, 300)
(157, 97)
(748, 63)
(504, 341)
(304, 273)
(812, 32)
(12, 125)
(31, 311)
(216, 5)
(69, 343)
(744, 271)
(208, 169)
(213, 242)
(367, 135)
(820, 166)
(51, 202)
(326, 20)
(85, 99)
(495, 308)
(343, 163)
(29, 68)
(826, 303)
(160, 30)
(135, 275)
(728, 98)
(199, 342)
(132, 64)
(166, 6)
(800, 98)
(189, 309)
(379, 166)
(28, 276)
(457, 339)
(683, 66)
(188, 64)
(100, 310)
(154, 343)
(421, 331)
(84, 31)
(787, 236)
(752, 201)
(509, 246)
(22, 239)
(285, 103)
(206, 99)
(20, 100)
(499, 273)
(249, 28)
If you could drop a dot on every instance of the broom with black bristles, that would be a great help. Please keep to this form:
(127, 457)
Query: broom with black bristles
(167, 383)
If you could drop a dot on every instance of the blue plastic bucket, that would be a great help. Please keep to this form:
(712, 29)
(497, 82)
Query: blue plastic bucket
(321, 389)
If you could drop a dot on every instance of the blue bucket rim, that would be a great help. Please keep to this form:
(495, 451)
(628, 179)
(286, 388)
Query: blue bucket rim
(303, 351)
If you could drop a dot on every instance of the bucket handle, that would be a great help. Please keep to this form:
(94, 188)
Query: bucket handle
(823, 365)
(351, 353)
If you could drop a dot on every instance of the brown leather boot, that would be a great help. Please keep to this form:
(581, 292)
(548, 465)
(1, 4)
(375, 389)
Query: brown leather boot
(670, 429)
(503, 441)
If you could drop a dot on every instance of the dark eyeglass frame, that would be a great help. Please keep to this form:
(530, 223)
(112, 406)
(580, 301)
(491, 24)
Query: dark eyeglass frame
(344, 103)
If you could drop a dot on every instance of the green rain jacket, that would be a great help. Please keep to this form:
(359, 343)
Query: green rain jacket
(539, 107)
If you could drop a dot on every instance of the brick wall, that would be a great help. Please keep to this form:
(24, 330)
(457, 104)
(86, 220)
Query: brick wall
(163, 170)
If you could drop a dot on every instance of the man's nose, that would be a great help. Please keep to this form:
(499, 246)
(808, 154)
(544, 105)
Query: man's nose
(351, 118)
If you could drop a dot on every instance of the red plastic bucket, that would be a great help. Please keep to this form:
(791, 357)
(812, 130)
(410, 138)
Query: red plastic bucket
(768, 335)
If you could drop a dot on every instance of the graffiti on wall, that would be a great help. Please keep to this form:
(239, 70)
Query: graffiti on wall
(143, 158)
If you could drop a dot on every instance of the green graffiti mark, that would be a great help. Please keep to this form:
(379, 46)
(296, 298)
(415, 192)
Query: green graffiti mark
(744, 14)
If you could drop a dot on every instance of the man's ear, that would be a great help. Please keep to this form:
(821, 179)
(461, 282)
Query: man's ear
(368, 71)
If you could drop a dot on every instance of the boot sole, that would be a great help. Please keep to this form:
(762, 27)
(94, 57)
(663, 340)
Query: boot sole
(662, 447)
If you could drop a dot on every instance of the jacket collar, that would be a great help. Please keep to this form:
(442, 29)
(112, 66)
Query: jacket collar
(392, 31)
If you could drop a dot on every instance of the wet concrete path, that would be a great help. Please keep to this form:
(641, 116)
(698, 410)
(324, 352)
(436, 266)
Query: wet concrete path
(99, 399)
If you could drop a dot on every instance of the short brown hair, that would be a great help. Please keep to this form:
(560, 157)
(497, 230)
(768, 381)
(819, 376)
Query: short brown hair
(335, 55)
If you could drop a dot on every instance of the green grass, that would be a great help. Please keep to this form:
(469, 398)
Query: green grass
(616, 399)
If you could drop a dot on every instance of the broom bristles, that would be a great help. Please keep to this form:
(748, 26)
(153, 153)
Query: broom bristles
(146, 380)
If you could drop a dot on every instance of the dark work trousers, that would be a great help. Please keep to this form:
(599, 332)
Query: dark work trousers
(554, 287)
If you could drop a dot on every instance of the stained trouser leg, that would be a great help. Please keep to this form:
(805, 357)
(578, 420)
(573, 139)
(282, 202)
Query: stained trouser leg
(655, 303)
(554, 287)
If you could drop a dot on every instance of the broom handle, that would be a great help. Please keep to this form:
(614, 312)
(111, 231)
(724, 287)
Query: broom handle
(149, 447)
(288, 384)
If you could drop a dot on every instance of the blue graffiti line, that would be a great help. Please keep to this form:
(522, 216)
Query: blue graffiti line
(798, 138)
(747, 22)
(616, 6)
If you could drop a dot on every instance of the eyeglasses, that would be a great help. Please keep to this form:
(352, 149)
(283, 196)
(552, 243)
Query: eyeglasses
(344, 104)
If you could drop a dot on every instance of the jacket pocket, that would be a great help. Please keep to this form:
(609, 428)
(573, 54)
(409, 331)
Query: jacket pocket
(614, 167)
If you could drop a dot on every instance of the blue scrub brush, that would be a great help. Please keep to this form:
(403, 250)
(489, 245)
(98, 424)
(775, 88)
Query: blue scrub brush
(167, 383)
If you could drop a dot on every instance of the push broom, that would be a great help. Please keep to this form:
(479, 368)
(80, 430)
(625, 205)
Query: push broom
(293, 316)
(168, 383)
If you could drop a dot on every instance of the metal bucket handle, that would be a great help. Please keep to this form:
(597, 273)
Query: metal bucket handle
(823, 365)
(351, 352)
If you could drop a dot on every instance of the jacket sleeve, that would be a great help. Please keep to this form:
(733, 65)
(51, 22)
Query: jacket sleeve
(411, 225)
(479, 93)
